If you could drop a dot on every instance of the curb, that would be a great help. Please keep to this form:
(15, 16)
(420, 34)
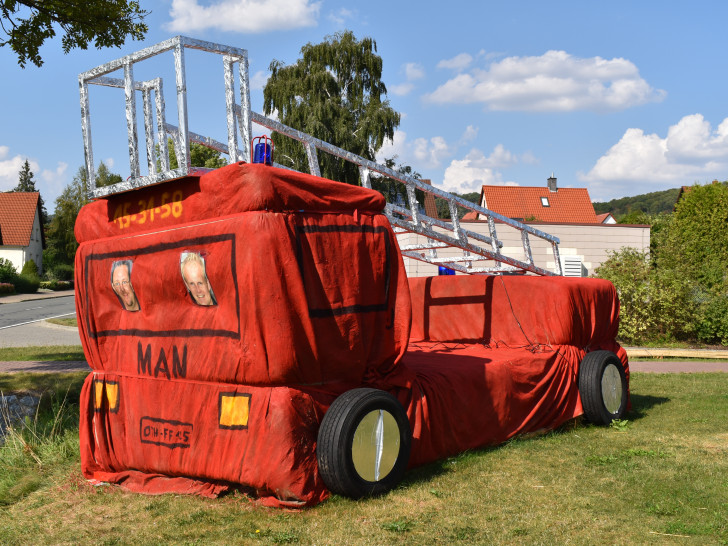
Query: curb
(642, 352)
(678, 367)
(51, 366)
(17, 298)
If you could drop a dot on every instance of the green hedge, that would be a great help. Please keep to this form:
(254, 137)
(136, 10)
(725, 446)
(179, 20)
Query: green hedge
(27, 284)
(56, 285)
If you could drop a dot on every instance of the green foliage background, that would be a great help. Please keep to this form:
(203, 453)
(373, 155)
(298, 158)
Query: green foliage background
(634, 210)
(679, 291)
(335, 93)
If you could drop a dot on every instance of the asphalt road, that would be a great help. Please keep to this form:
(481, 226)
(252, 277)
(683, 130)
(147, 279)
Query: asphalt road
(24, 312)
(23, 323)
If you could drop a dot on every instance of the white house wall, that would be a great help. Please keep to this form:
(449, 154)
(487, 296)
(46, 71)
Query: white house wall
(15, 254)
(34, 251)
(590, 242)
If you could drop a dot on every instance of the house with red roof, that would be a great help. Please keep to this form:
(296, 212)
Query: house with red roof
(21, 233)
(540, 204)
(567, 213)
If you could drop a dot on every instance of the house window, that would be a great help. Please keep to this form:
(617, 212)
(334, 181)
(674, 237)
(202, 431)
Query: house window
(545, 201)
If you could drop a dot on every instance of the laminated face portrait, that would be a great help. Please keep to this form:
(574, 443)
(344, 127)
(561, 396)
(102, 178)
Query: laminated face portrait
(121, 284)
(192, 266)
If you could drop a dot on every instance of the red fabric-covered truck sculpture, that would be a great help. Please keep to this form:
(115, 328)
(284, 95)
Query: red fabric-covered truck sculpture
(254, 327)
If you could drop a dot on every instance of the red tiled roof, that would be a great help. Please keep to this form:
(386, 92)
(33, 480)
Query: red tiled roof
(472, 215)
(567, 205)
(601, 218)
(17, 212)
(430, 206)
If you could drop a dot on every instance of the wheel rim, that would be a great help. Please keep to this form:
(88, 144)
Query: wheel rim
(612, 389)
(375, 447)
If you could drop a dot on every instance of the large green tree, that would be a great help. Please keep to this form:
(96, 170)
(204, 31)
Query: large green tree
(61, 242)
(679, 291)
(104, 177)
(335, 93)
(60, 239)
(200, 156)
(27, 183)
(694, 247)
(28, 23)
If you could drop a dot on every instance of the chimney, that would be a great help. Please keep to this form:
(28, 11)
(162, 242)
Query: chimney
(551, 183)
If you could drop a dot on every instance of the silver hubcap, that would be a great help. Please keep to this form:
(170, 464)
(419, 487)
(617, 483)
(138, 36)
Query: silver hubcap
(376, 445)
(612, 389)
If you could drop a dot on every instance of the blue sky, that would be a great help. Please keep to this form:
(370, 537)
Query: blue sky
(620, 97)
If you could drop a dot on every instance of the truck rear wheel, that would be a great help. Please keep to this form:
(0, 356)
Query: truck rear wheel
(363, 443)
(603, 387)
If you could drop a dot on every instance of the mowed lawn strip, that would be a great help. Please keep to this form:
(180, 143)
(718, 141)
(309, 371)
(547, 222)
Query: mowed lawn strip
(42, 354)
(659, 477)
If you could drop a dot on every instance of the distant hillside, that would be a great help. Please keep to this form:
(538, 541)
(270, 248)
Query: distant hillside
(651, 203)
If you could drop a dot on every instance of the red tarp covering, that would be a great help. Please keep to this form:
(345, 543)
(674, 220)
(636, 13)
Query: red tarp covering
(222, 377)
(498, 356)
(310, 296)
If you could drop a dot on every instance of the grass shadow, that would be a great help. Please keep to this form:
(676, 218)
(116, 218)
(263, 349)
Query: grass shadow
(641, 403)
(429, 471)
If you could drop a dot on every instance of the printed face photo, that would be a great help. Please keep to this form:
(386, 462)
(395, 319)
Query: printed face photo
(121, 284)
(192, 266)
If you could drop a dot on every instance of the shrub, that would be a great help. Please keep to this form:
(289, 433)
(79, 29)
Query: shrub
(654, 305)
(62, 272)
(712, 326)
(8, 273)
(56, 285)
(27, 284)
(30, 268)
(6, 288)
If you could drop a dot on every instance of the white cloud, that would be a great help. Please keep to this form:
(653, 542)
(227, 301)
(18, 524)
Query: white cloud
(414, 71)
(393, 148)
(554, 81)
(252, 16)
(458, 62)
(430, 153)
(476, 169)
(691, 151)
(49, 182)
(10, 167)
(422, 153)
(402, 89)
(469, 135)
(259, 80)
(52, 183)
(341, 16)
(692, 140)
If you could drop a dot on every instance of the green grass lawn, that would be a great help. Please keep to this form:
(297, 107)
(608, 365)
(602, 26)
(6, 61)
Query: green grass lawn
(42, 354)
(660, 477)
(70, 321)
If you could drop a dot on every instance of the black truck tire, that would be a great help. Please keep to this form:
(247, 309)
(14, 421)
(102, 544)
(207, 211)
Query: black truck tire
(603, 387)
(363, 443)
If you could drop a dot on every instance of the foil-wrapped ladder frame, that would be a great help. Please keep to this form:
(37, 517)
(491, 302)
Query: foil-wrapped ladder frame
(181, 134)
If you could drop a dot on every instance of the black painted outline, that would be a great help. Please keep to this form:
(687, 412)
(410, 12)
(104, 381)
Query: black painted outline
(151, 249)
(219, 409)
(336, 311)
(168, 422)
